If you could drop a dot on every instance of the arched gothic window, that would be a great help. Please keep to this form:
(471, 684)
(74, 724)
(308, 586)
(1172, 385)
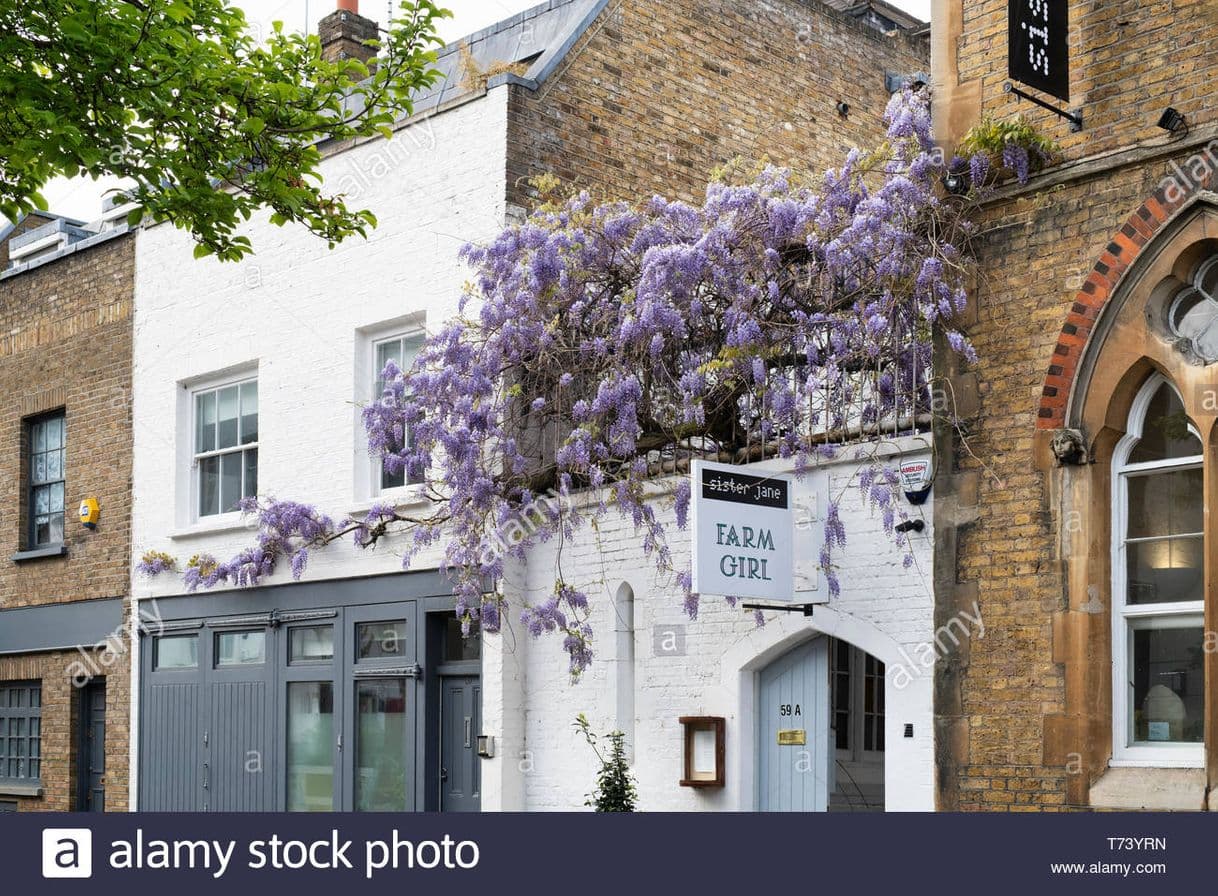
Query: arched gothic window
(1193, 314)
(1158, 584)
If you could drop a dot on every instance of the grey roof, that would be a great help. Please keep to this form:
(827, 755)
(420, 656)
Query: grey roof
(9, 226)
(541, 37)
(859, 8)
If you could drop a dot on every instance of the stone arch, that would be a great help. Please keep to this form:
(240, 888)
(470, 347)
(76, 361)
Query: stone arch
(1155, 224)
(1114, 339)
(906, 758)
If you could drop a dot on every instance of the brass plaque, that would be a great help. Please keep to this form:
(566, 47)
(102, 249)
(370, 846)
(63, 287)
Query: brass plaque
(792, 737)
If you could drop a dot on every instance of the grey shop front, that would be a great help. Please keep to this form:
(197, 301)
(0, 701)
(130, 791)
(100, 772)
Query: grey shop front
(355, 694)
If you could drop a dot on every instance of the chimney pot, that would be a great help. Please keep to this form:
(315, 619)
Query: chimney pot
(349, 5)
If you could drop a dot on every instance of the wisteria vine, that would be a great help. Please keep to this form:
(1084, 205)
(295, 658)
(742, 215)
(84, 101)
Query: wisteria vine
(603, 346)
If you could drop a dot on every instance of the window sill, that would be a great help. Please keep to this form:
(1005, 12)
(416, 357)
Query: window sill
(53, 550)
(1150, 789)
(406, 496)
(14, 789)
(228, 522)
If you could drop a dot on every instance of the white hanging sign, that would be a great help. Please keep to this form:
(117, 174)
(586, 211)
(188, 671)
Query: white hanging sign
(744, 533)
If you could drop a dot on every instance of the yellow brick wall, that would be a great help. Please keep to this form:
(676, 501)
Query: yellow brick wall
(656, 95)
(1000, 708)
(65, 341)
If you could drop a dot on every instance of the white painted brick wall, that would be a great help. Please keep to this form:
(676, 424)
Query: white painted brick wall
(295, 309)
(299, 310)
(876, 590)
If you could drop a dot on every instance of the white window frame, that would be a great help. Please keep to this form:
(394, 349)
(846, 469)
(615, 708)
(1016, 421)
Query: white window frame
(856, 711)
(1125, 616)
(193, 393)
(368, 468)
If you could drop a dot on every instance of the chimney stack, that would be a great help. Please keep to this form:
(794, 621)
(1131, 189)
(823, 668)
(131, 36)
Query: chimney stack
(343, 33)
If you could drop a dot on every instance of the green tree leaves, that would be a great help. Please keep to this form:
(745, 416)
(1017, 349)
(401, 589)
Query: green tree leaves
(180, 97)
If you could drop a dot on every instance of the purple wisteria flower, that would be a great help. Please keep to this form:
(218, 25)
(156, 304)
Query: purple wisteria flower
(601, 347)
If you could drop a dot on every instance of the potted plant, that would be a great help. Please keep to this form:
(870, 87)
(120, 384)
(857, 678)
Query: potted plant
(994, 152)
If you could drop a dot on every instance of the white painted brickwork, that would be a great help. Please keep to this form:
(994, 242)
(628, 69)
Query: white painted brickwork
(296, 310)
(883, 608)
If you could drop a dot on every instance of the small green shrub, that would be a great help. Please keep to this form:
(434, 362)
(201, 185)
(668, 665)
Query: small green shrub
(615, 786)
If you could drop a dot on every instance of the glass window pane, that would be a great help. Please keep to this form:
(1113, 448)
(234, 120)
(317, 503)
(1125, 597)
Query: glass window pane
(249, 484)
(1165, 503)
(42, 499)
(311, 644)
(310, 755)
(1193, 314)
(56, 528)
(54, 464)
(227, 412)
(54, 433)
(380, 760)
(205, 422)
(1164, 570)
(392, 480)
(38, 437)
(376, 640)
(411, 346)
(240, 648)
(1165, 432)
(57, 497)
(42, 530)
(1168, 678)
(176, 652)
(39, 471)
(458, 648)
(209, 486)
(249, 412)
(391, 350)
(230, 481)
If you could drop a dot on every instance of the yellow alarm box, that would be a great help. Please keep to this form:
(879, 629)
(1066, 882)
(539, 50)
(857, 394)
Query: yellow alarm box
(89, 512)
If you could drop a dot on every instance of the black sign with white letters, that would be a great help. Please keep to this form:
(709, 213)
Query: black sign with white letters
(1038, 51)
(740, 488)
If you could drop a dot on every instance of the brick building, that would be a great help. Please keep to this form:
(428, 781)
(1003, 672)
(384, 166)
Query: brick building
(1078, 517)
(246, 376)
(65, 435)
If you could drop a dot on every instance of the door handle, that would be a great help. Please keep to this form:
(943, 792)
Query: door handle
(467, 732)
(443, 774)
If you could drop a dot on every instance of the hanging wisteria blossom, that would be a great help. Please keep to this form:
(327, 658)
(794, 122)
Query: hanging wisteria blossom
(602, 347)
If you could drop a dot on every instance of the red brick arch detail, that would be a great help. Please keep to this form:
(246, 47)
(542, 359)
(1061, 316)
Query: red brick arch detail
(1126, 245)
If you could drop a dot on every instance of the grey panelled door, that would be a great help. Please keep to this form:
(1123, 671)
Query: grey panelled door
(793, 731)
(171, 744)
(240, 777)
(91, 762)
(207, 723)
(460, 722)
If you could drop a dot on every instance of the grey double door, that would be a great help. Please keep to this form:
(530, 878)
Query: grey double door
(309, 711)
